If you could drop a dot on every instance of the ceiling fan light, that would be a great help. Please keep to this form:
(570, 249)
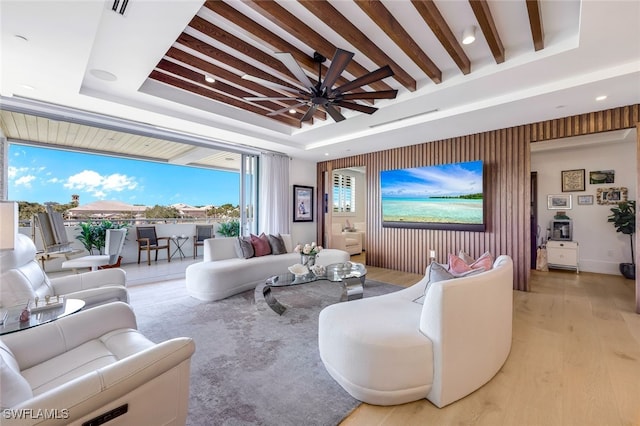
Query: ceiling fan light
(209, 79)
(469, 35)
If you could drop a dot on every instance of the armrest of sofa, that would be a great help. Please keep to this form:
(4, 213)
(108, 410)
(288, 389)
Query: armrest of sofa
(38, 344)
(469, 321)
(99, 296)
(89, 394)
(94, 279)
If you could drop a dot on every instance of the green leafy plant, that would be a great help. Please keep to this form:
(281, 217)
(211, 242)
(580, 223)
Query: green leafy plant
(230, 228)
(94, 236)
(623, 217)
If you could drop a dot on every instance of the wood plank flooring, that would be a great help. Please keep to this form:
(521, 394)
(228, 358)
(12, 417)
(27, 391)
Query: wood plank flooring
(575, 360)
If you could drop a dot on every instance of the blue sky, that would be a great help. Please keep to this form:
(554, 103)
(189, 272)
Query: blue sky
(41, 175)
(446, 179)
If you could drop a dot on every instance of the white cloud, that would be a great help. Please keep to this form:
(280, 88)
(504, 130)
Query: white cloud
(100, 186)
(25, 180)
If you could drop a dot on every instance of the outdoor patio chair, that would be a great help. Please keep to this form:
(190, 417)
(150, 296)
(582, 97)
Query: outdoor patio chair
(148, 240)
(202, 233)
(114, 242)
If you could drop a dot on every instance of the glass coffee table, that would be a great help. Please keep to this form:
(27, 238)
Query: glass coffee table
(12, 321)
(350, 275)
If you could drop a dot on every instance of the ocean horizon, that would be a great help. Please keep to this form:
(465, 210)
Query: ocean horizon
(436, 210)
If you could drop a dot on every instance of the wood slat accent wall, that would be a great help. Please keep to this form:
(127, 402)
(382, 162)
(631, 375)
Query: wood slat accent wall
(506, 157)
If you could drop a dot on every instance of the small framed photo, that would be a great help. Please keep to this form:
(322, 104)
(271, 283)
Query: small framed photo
(302, 203)
(572, 180)
(602, 176)
(558, 202)
(611, 195)
(584, 200)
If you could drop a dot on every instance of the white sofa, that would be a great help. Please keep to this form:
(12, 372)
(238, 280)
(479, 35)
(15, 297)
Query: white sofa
(84, 365)
(22, 278)
(389, 349)
(222, 273)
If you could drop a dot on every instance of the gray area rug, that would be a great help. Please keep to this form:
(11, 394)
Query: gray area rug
(251, 366)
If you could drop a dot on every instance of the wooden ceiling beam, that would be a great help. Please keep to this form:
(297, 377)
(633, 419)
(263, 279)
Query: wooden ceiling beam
(218, 86)
(190, 87)
(266, 36)
(394, 30)
(346, 29)
(229, 60)
(433, 18)
(535, 22)
(280, 16)
(487, 25)
(221, 73)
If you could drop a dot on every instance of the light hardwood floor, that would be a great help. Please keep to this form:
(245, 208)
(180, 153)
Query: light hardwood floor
(575, 360)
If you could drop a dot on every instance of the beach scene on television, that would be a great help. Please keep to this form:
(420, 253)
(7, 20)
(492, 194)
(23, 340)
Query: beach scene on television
(447, 193)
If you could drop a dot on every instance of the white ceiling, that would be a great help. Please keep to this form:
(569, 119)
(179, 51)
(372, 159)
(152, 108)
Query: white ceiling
(592, 48)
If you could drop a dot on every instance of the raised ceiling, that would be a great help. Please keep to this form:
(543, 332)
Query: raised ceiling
(532, 61)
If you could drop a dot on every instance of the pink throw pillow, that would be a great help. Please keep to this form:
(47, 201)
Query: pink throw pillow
(261, 245)
(485, 261)
(458, 267)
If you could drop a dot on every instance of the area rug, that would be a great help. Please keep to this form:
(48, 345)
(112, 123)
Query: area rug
(252, 366)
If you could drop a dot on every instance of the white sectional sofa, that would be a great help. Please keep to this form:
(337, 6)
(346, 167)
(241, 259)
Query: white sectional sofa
(389, 349)
(222, 273)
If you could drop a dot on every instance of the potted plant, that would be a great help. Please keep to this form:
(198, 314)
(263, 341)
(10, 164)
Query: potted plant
(230, 228)
(623, 218)
(94, 236)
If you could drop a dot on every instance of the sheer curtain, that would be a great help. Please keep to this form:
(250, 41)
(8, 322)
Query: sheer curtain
(274, 214)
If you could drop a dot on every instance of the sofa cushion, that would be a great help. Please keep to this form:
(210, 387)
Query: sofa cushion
(277, 244)
(437, 272)
(261, 245)
(15, 388)
(244, 248)
(485, 261)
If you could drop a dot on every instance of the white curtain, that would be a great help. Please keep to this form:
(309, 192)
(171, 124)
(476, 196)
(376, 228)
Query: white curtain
(275, 215)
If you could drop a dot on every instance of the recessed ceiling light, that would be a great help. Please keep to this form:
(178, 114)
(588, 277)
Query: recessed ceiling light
(292, 111)
(209, 79)
(326, 154)
(601, 98)
(469, 35)
(103, 75)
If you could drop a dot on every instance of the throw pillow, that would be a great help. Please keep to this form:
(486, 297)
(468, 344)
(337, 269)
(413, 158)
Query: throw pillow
(485, 261)
(277, 244)
(437, 272)
(244, 248)
(467, 259)
(261, 245)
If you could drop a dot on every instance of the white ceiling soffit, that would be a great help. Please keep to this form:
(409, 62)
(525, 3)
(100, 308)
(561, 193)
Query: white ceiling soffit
(570, 143)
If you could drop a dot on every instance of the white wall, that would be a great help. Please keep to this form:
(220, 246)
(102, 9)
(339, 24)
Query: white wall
(601, 247)
(302, 173)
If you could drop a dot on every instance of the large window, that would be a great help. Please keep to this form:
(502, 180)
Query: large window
(344, 193)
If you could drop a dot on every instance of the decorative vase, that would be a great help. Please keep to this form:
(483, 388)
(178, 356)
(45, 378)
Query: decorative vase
(308, 260)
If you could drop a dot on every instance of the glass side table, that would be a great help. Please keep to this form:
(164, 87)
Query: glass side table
(12, 321)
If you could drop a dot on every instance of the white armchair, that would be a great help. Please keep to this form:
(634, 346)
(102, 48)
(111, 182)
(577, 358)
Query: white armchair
(91, 366)
(22, 279)
(351, 242)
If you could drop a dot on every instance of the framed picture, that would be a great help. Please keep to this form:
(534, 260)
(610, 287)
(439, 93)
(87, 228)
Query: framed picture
(584, 200)
(602, 176)
(611, 195)
(558, 202)
(572, 180)
(302, 203)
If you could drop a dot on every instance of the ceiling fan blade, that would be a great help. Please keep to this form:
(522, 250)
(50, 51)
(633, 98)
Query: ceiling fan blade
(372, 77)
(338, 64)
(286, 109)
(333, 112)
(381, 94)
(309, 114)
(289, 61)
(275, 98)
(271, 84)
(357, 107)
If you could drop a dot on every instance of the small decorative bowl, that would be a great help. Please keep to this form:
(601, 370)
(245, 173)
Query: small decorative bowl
(318, 270)
(298, 270)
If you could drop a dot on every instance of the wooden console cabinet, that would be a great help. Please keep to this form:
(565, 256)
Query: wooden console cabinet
(563, 254)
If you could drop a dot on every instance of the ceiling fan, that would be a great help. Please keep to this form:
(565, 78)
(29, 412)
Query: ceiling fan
(322, 94)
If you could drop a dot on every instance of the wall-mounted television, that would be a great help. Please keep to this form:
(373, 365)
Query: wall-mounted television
(445, 196)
